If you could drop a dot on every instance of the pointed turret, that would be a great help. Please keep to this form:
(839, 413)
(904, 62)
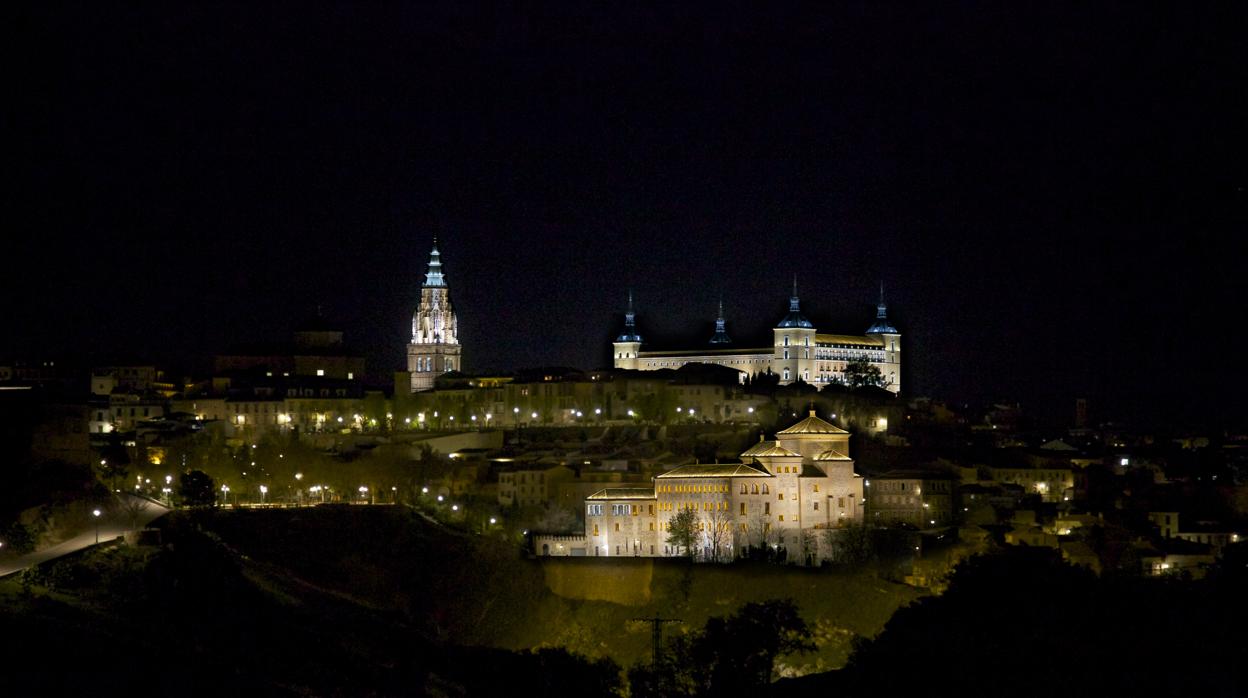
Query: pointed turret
(630, 323)
(795, 317)
(627, 346)
(721, 335)
(882, 325)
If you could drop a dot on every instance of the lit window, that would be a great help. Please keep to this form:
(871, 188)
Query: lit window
(320, 371)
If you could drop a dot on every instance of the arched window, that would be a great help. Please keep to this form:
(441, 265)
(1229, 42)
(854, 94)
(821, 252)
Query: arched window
(786, 371)
(755, 489)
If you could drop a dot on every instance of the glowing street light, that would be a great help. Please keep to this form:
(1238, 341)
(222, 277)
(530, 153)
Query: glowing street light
(424, 490)
(534, 415)
(96, 514)
(264, 489)
(454, 507)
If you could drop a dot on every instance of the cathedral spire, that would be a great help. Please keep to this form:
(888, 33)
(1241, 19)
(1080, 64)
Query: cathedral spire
(721, 336)
(793, 302)
(433, 277)
(881, 309)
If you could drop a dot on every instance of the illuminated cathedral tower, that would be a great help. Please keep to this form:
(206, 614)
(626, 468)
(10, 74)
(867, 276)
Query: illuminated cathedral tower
(435, 347)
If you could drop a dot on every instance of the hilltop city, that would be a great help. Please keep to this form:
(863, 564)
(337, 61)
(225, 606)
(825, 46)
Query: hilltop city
(786, 452)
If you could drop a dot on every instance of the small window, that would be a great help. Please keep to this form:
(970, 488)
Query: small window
(816, 506)
(766, 507)
(743, 508)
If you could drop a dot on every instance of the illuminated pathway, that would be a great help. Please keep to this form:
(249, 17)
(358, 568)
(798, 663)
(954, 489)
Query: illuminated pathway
(112, 524)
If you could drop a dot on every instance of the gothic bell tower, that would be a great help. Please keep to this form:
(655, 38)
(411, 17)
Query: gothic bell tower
(435, 347)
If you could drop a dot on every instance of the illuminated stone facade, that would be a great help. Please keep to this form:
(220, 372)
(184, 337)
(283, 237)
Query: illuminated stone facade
(435, 347)
(784, 493)
(798, 351)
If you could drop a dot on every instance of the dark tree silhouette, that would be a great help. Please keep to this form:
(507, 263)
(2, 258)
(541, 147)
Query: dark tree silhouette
(196, 488)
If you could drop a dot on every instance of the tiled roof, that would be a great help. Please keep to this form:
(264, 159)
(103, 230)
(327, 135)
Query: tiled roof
(715, 470)
(812, 425)
(624, 493)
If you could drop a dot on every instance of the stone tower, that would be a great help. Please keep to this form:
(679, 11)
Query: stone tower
(628, 344)
(435, 347)
(794, 357)
(890, 370)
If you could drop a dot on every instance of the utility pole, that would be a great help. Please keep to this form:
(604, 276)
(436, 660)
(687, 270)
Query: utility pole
(656, 634)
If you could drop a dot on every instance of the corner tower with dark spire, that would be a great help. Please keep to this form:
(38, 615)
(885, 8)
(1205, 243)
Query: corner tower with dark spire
(794, 350)
(890, 366)
(720, 337)
(435, 347)
(628, 344)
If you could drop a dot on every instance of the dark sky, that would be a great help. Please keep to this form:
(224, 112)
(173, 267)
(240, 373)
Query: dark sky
(1053, 193)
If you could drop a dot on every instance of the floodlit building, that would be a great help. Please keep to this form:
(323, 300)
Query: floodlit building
(434, 349)
(798, 351)
(922, 499)
(783, 494)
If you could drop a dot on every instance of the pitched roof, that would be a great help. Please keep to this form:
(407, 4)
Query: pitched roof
(715, 470)
(812, 425)
(758, 447)
(832, 454)
(776, 450)
(624, 493)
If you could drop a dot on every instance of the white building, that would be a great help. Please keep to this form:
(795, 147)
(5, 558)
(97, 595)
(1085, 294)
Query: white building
(798, 351)
(784, 493)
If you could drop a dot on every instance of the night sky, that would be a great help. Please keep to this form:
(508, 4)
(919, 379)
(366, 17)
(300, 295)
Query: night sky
(1052, 193)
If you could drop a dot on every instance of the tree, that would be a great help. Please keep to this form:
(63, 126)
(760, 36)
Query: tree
(196, 488)
(719, 533)
(860, 374)
(682, 531)
(850, 544)
(733, 656)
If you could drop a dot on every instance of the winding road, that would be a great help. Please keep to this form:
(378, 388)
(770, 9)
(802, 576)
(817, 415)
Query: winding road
(113, 523)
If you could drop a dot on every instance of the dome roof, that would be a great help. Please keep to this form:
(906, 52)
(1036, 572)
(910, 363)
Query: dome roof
(795, 319)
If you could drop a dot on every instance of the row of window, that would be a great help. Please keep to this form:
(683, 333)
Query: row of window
(426, 363)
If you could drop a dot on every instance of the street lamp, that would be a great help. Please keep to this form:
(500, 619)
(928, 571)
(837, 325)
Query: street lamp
(96, 514)
(225, 494)
(263, 491)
